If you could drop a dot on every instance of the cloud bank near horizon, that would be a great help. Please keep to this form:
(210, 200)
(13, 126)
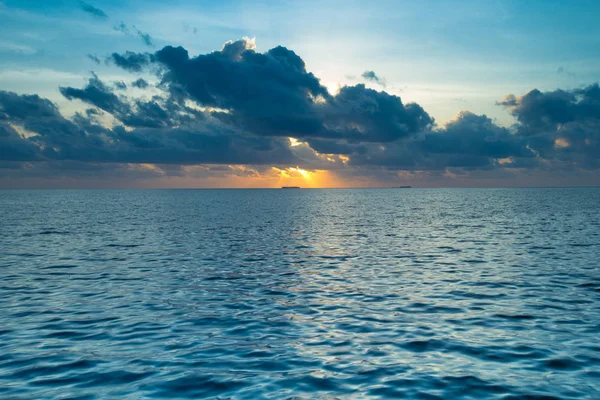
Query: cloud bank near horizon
(242, 112)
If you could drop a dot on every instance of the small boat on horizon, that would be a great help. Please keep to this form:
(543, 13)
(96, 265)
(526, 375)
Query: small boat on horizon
(290, 187)
(404, 187)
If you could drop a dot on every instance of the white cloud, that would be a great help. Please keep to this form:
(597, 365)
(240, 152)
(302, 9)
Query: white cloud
(17, 47)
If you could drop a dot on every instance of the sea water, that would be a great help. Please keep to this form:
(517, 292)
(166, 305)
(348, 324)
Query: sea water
(387, 293)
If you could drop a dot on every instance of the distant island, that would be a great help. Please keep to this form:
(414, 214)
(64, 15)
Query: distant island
(404, 187)
(290, 187)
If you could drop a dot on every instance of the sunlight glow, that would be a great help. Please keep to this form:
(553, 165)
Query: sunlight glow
(293, 172)
(561, 143)
(305, 174)
(296, 176)
(294, 142)
(507, 160)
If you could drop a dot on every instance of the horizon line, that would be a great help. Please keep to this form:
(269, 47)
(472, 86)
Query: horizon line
(307, 188)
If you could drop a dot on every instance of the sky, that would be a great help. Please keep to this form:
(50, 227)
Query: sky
(119, 94)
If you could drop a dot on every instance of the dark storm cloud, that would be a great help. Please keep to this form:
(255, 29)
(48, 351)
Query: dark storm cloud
(90, 9)
(97, 94)
(130, 61)
(48, 132)
(269, 93)
(357, 116)
(55, 138)
(475, 135)
(184, 146)
(562, 125)
(555, 130)
(155, 113)
(371, 76)
(20, 107)
(363, 114)
(469, 141)
(537, 110)
(13, 147)
(542, 110)
(272, 94)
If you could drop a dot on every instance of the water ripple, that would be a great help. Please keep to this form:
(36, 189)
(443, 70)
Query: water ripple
(428, 294)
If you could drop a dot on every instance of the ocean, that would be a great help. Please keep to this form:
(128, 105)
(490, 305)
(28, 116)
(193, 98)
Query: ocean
(248, 294)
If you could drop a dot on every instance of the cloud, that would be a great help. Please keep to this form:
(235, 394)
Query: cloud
(130, 61)
(538, 110)
(239, 106)
(120, 85)
(560, 124)
(146, 38)
(121, 27)
(155, 113)
(51, 137)
(361, 114)
(13, 147)
(372, 77)
(54, 173)
(93, 58)
(475, 135)
(272, 94)
(21, 107)
(97, 94)
(140, 83)
(564, 71)
(17, 48)
(90, 9)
